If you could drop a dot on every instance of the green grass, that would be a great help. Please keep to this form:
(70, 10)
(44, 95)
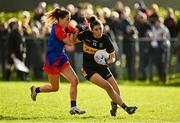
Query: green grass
(155, 103)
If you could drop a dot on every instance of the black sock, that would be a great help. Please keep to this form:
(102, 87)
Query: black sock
(114, 103)
(73, 103)
(37, 90)
(124, 106)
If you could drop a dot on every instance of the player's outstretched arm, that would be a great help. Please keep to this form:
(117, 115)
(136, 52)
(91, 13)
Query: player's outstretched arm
(71, 38)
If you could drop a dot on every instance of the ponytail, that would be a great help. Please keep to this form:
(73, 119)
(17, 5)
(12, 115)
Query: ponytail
(54, 15)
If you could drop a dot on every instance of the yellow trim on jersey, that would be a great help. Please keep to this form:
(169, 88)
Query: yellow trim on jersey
(89, 49)
(83, 72)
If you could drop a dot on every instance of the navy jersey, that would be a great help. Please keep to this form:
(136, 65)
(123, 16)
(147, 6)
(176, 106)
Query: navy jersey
(91, 45)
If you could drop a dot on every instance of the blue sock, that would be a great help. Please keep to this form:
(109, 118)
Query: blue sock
(37, 90)
(73, 103)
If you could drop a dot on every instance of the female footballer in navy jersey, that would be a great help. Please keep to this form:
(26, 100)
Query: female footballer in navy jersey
(98, 74)
(57, 62)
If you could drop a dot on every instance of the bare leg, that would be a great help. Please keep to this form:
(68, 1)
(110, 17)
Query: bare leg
(53, 86)
(113, 83)
(71, 76)
(114, 107)
(98, 80)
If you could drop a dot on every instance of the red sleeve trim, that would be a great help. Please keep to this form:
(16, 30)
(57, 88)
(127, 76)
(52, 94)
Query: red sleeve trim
(71, 29)
(60, 33)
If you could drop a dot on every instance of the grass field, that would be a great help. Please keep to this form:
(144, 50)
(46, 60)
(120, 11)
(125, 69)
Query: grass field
(156, 103)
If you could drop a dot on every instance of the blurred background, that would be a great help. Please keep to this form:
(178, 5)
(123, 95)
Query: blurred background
(145, 35)
(9, 5)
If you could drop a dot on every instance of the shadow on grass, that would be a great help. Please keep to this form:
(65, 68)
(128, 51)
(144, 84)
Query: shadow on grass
(35, 118)
(89, 117)
(12, 118)
(24, 118)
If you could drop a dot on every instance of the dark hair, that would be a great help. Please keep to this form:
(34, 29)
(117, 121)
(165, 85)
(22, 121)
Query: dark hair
(93, 20)
(55, 14)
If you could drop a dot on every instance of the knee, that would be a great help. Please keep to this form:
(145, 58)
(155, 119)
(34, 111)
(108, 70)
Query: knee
(55, 88)
(74, 81)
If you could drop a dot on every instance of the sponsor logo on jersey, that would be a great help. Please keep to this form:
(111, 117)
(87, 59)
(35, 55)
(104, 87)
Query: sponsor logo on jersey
(89, 49)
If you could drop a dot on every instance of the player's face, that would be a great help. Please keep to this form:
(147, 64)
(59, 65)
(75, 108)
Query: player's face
(66, 20)
(97, 31)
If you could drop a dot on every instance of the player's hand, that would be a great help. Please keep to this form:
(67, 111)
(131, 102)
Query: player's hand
(76, 31)
(108, 61)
